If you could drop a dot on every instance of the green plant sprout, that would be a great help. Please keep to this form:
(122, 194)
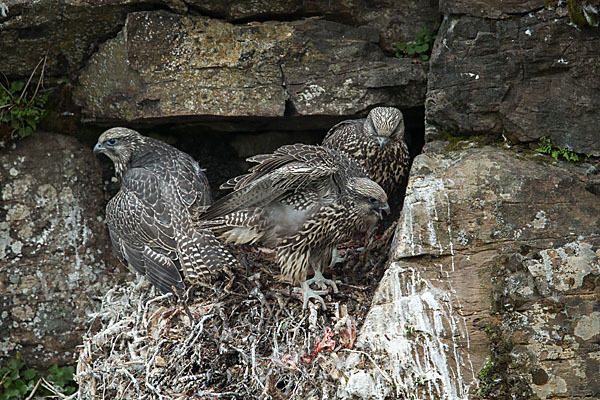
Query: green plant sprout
(19, 382)
(420, 47)
(545, 146)
(21, 110)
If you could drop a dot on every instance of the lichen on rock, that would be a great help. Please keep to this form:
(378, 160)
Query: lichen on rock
(56, 254)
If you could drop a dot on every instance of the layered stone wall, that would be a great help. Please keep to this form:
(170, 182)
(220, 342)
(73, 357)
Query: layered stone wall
(492, 290)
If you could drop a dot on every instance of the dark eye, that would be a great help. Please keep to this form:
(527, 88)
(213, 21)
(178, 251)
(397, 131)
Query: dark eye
(373, 200)
(111, 142)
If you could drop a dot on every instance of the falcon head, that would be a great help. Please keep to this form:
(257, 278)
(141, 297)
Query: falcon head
(119, 144)
(385, 123)
(369, 197)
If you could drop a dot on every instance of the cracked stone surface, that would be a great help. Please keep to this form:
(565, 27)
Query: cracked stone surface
(489, 8)
(527, 76)
(71, 30)
(396, 21)
(55, 252)
(166, 65)
(495, 262)
(67, 31)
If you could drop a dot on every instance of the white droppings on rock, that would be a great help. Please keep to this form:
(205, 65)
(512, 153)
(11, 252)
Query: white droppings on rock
(412, 332)
(425, 195)
(363, 385)
(13, 172)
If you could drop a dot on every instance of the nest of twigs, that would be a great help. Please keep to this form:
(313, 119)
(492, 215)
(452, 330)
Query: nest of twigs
(249, 337)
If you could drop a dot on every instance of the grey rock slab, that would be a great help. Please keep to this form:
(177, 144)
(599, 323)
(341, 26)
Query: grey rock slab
(490, 8)
(66, 31)
(494, 252)
(395, 21)
(525, 77)
(167, 65)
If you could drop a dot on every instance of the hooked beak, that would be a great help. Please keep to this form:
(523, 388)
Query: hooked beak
(98, 148)
(382, 141)
(385, 208)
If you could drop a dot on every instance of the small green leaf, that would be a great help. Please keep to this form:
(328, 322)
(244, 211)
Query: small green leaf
(21, 387)
(421, 48)
(30, 374)
(16, 86)
(12, 393)
(8, 381)
(15, 363)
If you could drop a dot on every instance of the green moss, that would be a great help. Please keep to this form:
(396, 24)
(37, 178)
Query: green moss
(455, 140)
(487, 376)
(576, 13)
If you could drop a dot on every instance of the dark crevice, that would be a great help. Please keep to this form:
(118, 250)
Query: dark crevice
(283, 16)
(276, 17)
(593, 188)
(222, 144)
(290, 109)
(525, 13)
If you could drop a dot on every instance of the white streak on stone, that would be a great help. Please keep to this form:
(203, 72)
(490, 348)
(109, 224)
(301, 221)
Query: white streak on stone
(407, 332)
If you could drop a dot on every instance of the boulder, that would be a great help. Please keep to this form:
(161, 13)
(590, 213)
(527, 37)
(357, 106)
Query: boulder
(477, 222)
(56, 255)
(66, 31)
(396, 22)
(524, 77)
(167, 65)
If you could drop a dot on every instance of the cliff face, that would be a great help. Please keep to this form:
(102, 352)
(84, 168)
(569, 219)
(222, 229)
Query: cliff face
(493, 280)
(55, 251)
(495, 268)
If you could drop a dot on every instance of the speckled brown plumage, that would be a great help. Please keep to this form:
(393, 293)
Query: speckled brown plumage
(378, 143)
(302, 200)
(149, 219)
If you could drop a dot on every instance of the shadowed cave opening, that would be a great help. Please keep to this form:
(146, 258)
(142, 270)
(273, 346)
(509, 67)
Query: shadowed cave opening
(222, 145)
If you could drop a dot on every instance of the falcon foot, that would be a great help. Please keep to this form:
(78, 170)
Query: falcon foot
(336, 258)
(308, 293)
